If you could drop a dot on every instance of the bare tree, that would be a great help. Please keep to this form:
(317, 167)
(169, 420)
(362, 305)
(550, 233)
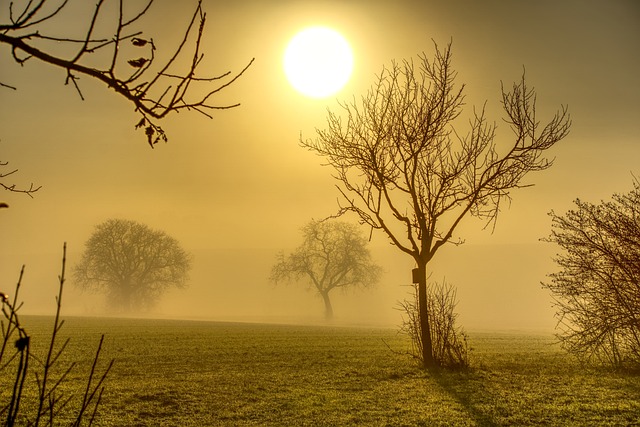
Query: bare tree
(131, 263)
(403, 168)
(597, 289)
(333, 255)
(124, 58)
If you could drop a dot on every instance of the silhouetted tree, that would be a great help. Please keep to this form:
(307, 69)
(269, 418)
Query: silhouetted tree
(403, 168)
(333, 255)
(597, 290)
(108, 44)
(131, 263)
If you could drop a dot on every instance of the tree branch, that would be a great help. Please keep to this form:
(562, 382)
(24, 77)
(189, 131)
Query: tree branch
(175, 90)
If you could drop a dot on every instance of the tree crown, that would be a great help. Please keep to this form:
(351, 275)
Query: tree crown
(333, 254)
(402, 166)
(132, 263)
(597, 289)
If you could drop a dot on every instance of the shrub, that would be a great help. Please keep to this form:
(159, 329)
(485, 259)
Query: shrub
(450, 343)
(597, 287)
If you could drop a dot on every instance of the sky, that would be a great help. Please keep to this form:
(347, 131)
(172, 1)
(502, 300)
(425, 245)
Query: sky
(236, 189)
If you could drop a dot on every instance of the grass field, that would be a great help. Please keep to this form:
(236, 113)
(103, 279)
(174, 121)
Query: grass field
(184, 373)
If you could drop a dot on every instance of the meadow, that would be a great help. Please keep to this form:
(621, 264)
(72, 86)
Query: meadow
(193, 373)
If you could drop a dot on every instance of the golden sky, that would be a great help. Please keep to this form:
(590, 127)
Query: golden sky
(236, 189)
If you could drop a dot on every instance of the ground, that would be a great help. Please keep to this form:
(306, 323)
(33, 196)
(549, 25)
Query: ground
(186, 373)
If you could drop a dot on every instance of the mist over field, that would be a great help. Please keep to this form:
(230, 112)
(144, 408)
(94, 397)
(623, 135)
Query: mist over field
(232, 285)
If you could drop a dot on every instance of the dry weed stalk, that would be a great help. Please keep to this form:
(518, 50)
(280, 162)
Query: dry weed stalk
(51, 398)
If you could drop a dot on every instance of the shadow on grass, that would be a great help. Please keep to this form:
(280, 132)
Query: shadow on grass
(467, 389)
(542, 389)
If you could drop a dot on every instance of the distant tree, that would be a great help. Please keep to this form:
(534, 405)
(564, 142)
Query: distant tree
(403, 168)
(108, 44)
(131, 263)
(597, 290)
(333, 255)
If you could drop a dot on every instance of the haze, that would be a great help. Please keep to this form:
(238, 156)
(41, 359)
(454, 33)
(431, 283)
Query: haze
(236, 189)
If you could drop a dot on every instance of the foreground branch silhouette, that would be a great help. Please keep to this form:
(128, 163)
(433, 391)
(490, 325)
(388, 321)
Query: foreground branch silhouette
(127, 58)
(51, 398)
(11, 186)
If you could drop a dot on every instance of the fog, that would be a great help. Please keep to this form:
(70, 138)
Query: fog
(497, 286)
(235, 190)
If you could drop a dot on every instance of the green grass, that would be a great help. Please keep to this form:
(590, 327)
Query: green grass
(182, 373)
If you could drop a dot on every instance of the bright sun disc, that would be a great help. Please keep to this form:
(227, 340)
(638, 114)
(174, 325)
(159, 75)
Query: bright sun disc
(318, 62)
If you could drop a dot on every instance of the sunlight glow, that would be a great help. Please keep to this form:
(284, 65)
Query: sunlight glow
(318, 62)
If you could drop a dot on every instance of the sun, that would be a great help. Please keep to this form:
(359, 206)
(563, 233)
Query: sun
(318, 62)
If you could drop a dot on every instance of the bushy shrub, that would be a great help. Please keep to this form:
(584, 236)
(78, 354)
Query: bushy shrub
(450, 343)
(597, 287)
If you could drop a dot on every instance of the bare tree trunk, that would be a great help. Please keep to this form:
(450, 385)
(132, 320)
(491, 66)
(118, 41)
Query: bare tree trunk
(126, 296)
(425, 328)
(328, 309)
